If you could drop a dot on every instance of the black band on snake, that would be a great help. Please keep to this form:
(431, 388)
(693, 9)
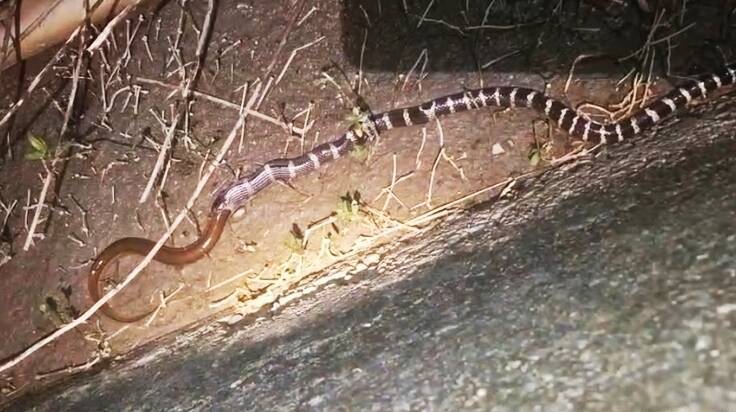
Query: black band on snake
(234, 195)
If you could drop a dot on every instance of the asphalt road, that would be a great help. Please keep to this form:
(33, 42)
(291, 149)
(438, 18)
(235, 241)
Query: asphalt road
(610, 285)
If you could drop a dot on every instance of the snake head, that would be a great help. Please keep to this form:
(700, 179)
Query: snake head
(219, 201)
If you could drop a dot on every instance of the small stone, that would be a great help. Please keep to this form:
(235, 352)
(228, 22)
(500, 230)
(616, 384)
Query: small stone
(497, 149)
(513, 365)
(231, 319)
(725, 309)
(703, 343)
(371, 259)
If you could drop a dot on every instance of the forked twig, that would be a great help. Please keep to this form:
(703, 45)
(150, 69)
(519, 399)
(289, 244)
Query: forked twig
(293, 54)
(162, 305)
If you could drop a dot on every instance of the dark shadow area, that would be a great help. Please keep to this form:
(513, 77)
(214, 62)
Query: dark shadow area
(532, 35)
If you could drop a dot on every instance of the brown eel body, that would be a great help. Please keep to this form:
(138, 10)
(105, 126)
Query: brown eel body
(168, 255)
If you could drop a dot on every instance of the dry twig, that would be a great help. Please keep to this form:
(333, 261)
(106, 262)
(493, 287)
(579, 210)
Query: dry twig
(161, 157)
(107, 31)
(293, 54)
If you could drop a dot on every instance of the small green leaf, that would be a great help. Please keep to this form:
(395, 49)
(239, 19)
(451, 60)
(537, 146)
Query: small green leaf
(535, 158)
(348, 209)
(357, 121)
(39, 149)
(295, 240)
(38, 144)
(294, 244)
(359, 152)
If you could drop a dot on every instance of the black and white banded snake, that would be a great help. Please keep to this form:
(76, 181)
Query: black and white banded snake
(234, 195)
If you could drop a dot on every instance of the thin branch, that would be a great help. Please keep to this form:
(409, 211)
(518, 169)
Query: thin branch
(37, 210)
(107, 31)
(161, 157)
(293, 54)
(201, 46)
(164, 300)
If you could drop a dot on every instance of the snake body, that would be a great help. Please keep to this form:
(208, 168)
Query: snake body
(234, 195)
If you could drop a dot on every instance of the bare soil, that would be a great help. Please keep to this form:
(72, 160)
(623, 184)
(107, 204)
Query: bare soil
(115, 135)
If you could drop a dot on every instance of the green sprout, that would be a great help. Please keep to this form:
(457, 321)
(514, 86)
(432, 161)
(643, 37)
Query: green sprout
(38, 149)
(535, 156)
(348, 209)
(295, 240)
(359, 152)
(357, 121)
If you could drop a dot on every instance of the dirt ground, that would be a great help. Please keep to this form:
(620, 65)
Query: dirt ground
(128, 92)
